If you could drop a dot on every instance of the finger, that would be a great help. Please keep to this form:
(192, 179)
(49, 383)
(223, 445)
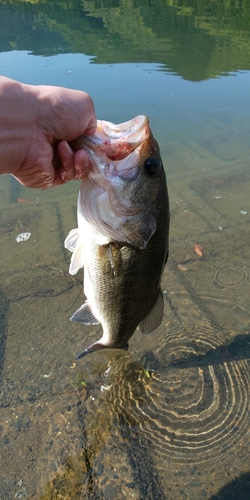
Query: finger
(72, 165)
(66, 157)
(82, 164)
(91, 128)
(70, 114)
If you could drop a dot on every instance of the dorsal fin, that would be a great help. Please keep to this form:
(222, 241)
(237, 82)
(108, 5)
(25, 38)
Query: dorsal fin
(154, 318)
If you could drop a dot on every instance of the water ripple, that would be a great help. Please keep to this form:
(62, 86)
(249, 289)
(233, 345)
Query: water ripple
(194, 406)
(230, 276)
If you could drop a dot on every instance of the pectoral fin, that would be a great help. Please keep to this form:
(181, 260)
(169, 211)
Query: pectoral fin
(77, 260)
(111, 260)
(84, 315)
(74, 244)
(72, 239)
(154, 318)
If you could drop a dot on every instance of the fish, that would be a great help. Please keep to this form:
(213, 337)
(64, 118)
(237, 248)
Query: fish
(122, 238)
(6, 229)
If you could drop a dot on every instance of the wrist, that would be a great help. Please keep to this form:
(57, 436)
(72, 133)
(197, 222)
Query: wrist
(18, 123)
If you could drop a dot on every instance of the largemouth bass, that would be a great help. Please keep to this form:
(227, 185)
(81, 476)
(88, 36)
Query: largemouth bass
(122, 235)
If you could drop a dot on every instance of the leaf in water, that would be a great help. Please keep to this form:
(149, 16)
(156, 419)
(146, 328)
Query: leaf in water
(198, 250)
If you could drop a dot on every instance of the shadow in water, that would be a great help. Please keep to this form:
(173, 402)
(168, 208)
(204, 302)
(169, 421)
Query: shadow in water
(237, 350)
(238, 489)
(15, 189)
(4, 305)
(114, 463)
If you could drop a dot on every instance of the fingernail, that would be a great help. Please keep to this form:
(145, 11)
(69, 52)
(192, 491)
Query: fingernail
(65, 176)
(79, 172)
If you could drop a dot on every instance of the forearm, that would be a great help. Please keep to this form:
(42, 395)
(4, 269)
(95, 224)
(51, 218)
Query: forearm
(18, 123)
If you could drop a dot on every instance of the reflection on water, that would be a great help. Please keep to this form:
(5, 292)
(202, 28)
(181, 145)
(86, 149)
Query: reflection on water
(197, 40)
(168, 419)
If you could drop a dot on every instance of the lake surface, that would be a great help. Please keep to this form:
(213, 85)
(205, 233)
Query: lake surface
(169, 419)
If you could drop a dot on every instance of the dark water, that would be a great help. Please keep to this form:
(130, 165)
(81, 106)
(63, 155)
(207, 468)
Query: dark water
(170, 418)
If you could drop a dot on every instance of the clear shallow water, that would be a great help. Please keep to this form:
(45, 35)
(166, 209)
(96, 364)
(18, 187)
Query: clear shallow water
(170, 418)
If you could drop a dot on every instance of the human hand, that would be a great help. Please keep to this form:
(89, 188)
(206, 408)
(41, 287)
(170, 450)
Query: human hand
(36, 124)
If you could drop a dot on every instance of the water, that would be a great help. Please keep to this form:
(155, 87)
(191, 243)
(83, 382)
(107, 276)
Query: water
(170, 418)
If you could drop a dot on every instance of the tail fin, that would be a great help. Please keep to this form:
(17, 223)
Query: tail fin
(96, 346)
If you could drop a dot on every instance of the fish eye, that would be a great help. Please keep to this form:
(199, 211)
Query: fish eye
(151, 166)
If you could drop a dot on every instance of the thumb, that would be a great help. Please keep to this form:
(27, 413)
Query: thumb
(66, 114)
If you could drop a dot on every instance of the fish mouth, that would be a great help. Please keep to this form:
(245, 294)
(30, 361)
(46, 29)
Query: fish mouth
(118, 141)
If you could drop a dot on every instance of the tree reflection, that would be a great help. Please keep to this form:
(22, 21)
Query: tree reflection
(196, 39)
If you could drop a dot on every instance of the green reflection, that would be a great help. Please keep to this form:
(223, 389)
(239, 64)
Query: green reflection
(197, 39)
